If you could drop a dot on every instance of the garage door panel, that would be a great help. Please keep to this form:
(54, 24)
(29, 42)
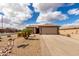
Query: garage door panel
(49, 30)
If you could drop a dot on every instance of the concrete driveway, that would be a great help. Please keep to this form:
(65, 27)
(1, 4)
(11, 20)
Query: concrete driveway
(58, 45)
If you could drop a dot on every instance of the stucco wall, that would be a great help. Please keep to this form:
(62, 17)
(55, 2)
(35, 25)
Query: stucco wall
(69, 31)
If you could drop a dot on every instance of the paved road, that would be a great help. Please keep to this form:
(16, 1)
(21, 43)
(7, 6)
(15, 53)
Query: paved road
(58, 45)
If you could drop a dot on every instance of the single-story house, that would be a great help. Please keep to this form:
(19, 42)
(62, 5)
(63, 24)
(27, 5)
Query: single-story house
(44, 29)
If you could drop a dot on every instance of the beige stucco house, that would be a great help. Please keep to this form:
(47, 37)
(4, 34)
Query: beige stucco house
(44, 29)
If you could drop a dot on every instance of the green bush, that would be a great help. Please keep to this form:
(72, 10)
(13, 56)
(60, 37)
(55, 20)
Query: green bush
(24, 33)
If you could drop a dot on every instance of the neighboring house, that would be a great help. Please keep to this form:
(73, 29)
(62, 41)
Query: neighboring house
(44, 29)
(8, 30)
(2, 30)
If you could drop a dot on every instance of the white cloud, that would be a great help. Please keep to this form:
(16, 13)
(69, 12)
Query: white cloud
(75, 24)
(15, 13)
(6, 20)
(57, 15)
(46, 7)
(73, 11)
(77, 21)
(48, 12)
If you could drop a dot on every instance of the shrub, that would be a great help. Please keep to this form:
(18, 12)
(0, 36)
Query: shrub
(0, 40)
(0, 37)
(19, 34)
(68, 35)
(26, 33)
(8, 35)
(10, 39)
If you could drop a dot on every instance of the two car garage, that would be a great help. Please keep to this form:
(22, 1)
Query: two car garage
(45, 29)
(49, 30)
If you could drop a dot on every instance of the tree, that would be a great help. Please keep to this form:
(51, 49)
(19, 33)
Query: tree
(26, 33)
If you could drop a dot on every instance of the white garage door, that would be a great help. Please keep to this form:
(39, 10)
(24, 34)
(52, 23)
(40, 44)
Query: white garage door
(49, 30)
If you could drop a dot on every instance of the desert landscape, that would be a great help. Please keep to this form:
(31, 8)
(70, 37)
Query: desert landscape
(32, 47)
(39, 29)
(41, 45)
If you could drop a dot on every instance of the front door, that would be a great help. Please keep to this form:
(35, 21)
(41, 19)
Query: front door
(37, 30)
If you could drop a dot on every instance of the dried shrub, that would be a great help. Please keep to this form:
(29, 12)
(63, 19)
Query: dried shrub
(68, 35)
(10, 39)
(0, 40)
(8, 35)
(0, 37)
(19, 34)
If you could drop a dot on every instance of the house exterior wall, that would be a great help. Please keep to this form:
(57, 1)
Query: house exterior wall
(45, 29)
(48, 30)
(69, 31)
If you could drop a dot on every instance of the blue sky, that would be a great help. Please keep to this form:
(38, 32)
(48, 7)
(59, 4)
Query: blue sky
(72, 18)
(33, 19)
(18, 15)
(64, 9)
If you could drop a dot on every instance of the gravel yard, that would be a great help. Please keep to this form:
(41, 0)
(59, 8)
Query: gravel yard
(44, 45)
